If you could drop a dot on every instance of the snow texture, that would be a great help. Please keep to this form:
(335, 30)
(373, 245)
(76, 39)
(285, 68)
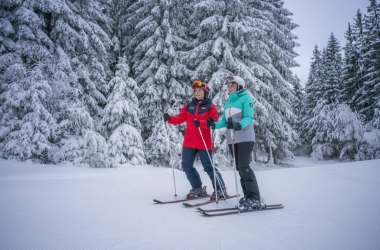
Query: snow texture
(331, 206)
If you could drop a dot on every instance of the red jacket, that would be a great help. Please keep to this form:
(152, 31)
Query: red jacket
(201, 111)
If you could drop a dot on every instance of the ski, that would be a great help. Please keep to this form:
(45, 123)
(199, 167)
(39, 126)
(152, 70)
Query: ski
(201, 210)
(228, 208)
(238, 211)
(179, 200)
(186, 204)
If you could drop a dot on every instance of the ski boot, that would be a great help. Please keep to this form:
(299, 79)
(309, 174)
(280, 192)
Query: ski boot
(220, 193)
(197, 193)
(247, 203)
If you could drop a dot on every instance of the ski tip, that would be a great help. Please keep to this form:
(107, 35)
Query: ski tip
(187, 204)
(205, 214)
(273, 207)
(157, 201)
(273, 204)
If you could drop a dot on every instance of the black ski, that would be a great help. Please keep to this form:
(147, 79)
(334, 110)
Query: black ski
(237, 211)
(186, 204)
(183, 199)
(228, 208)
(201, 210)
(178, 200)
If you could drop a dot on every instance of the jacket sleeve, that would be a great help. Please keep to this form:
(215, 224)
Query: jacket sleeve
(222, 123)
(213, 114)
(181, 117)
(248, 112)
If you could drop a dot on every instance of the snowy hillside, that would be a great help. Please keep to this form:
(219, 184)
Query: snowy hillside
(334, 206)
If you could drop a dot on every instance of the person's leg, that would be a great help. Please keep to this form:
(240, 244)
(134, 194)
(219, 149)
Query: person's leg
(248, 178)
(188, 157)
(207, 166)
(237, 166)
(236, 154)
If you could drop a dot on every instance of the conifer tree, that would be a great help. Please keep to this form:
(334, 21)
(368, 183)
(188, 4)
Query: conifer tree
(28, 129)
(229, 38)
(313, 94)
(80, 31)
(121, 118)
(158, 71)
(370, 91)
(332, 71)
(356, 60)
(298, 107)
(350, 70)
(338, 132)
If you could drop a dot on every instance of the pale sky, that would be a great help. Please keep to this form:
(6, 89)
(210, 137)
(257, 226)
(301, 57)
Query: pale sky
(316, 20)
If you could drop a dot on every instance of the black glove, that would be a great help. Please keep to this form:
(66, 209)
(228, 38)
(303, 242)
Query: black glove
(237, 126)
(197, 123)
(210, 123)
(230, 123)
(233, 125)
(166, 117)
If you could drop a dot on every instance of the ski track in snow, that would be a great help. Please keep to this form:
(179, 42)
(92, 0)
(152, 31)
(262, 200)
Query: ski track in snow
(328, 206)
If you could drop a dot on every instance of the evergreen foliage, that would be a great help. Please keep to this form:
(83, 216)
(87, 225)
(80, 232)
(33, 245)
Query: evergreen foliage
(88, 82)
(341, 112)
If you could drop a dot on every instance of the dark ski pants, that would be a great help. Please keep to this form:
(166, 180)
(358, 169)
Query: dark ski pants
(188, 157)
(243, 153)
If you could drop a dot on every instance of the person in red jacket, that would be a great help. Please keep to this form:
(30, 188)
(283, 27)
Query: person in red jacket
(196, 113)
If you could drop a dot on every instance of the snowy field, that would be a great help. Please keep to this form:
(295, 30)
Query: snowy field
(327, 206)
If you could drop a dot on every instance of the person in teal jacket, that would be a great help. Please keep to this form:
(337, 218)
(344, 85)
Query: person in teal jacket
(238, 117)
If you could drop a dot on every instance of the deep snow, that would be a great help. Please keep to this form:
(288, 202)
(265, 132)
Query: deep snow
(327, 206)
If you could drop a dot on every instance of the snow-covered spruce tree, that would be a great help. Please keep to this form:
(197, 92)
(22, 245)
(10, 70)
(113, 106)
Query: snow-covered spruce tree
(91, 61)
(162, 78)
(322, 91)
(370, 91)
(251, 39)
(332, 71)
(375, 123)
(121, 118)
(298, 107)
(179, 86)
(353, 62)
(280, 42)
(333, 129)
(119, 11)
(370, 146)
(368, 96)
(80, 32)
(322, 88)
(27, 126)
(313, 95)
(349, 69)
(338, 132)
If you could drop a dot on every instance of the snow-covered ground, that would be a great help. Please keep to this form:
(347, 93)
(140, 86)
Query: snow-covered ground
(327, 206)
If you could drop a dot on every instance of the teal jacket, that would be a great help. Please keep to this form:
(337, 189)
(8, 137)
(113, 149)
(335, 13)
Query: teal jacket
(240, 107)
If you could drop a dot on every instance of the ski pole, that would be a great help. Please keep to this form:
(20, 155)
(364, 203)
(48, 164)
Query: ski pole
(175, 186)
(213, 168)
(216, 173)
(212, 164)
(234, 163)
(170, 153)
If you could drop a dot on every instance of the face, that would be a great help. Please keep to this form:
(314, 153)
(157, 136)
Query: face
(232, 87)
(199, 94)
